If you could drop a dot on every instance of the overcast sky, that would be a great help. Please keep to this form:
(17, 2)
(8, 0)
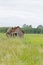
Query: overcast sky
(19, 12)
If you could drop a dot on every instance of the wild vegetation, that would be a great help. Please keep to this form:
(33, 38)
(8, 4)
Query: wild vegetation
(21, 51)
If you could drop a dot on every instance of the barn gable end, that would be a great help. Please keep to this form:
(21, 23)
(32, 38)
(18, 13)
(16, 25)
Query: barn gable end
(16, 31)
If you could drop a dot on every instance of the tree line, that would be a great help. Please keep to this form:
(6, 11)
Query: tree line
(3, 29)
(30, 29)
(27, 29)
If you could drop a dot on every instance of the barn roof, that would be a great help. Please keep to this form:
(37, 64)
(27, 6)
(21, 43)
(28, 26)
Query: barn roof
(13, 29)
(19, 28)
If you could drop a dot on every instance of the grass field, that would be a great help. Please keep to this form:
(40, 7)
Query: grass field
(21, 51)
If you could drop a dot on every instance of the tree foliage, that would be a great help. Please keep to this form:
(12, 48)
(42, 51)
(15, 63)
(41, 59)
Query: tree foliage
(30, 29)
(3, 29)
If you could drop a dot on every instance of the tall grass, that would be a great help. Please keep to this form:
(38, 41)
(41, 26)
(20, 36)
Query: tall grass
(21, 51)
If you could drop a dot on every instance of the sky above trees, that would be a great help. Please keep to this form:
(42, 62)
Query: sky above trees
(19, 12)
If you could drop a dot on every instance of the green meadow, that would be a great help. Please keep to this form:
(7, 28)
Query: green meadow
(21, 51)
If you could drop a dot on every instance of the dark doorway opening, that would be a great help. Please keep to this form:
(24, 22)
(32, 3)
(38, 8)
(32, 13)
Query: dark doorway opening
(15, 34)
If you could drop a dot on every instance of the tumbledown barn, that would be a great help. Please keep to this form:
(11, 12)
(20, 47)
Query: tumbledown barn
(16, 31)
